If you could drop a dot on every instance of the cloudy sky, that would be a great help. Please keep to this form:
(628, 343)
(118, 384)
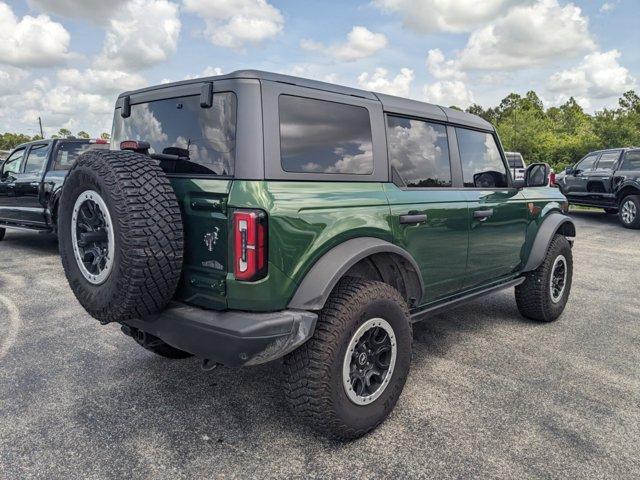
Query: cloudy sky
(66, 60)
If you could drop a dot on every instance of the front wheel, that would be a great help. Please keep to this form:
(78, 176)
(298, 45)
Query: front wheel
(347, 378)
(629, 212)
(545, 291)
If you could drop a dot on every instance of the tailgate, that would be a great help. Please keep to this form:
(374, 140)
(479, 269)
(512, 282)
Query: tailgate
(203, 203)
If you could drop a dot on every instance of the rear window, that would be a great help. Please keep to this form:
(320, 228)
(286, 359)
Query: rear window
(188, 138)
(318, 136)
(515, 161)
(607, 161)
(68, 152)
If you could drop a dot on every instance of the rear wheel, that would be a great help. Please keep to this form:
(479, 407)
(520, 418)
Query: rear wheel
(629, 212)
(120, 235)
(545, 291)
(348, 377)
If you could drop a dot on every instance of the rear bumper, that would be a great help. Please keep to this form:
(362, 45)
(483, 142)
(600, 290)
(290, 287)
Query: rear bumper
(232, 338)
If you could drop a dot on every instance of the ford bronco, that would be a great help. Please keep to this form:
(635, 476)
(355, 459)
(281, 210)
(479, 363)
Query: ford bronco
(252, 216)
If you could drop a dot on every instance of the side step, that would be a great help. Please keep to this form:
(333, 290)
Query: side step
(454, 302)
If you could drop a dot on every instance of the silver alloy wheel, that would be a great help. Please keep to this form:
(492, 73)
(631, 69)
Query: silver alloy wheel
(92, 237)
(628, 212)
(369, 361)
(558, 281)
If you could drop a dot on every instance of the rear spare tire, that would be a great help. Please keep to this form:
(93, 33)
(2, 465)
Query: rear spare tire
(120, 235)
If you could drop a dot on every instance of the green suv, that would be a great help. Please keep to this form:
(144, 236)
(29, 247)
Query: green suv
(250, 217)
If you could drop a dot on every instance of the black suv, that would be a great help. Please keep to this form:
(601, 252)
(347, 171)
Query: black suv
(608, 179)
(31, 179)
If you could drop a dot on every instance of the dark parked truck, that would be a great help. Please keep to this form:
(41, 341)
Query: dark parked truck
(31, 180)
(251, 217)
(608, 179)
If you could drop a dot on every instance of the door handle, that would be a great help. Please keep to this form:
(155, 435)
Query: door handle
(482, 215)
(413, 218)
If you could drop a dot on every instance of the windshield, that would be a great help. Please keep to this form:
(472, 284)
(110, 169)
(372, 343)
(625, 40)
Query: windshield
(190, 138)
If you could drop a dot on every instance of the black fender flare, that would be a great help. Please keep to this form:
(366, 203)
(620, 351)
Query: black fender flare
(52, 208)
(315, 288)
(554, 223)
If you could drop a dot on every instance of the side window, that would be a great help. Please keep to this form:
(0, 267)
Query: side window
(36, 159)
(631, 161)
(419, 152)
(482, 165)
(67, 154)
(12, 164)
(318, 136)
(586, 164)
(607, 161)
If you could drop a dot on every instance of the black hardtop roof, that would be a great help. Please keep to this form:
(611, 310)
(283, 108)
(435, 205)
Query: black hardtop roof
(390, 103)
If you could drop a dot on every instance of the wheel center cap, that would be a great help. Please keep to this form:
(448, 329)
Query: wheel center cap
(362, 359)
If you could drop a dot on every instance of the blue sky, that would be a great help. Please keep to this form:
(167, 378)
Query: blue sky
(66, 60)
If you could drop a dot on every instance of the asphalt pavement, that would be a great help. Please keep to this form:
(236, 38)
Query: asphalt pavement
(490, 395)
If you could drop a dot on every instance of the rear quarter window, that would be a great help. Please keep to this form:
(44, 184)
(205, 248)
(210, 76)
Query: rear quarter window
(319, 136)
(631, 161)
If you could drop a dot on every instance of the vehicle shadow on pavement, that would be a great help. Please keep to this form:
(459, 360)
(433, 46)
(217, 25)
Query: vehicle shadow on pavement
(43, 243)
(598, 217)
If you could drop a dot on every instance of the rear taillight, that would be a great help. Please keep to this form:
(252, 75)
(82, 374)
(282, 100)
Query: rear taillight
(552, 179)
(249, 245)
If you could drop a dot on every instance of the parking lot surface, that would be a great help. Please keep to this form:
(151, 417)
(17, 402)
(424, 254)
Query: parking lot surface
(490, 395)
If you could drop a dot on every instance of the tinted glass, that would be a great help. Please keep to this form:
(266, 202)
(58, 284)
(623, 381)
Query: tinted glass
(68, 153)
(36, 159)
(515, 161)
(189, 138)
(631, 161)
(419, 152)
(13, 163)
(587, 163)
(317, 136)
(482, 165)
(607, 161)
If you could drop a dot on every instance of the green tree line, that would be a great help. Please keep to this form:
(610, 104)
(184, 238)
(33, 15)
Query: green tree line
(562, 135)
(11, 140)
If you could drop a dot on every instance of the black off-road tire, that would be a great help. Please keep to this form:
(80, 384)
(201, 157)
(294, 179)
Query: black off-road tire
(2, 233)
(313, 375)
(635, 223)
(534, 297)
(148, 234)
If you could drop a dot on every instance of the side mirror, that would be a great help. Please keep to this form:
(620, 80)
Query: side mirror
(537, 175)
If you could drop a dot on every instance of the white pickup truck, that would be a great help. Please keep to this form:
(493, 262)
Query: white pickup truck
(516, 164)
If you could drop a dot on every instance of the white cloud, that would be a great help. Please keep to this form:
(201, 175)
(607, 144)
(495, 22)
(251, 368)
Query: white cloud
(101, 81)
(441, 68)
(98, 11)
(11, 80)
(361, 43)
(425, 16)
(598, 76)
(235, 23)
(141, 33)
(31, 41)
(379, 82)
(448, 92)
(528, 35)
(607, 7)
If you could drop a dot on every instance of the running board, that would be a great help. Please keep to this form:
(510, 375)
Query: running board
(454, 302)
